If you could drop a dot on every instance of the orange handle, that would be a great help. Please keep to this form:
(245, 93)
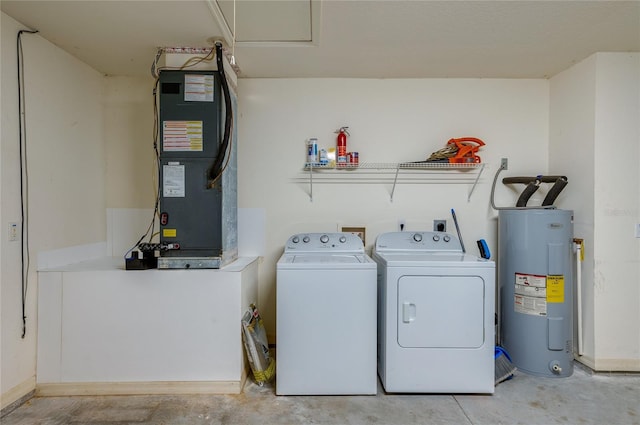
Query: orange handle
(461, 140)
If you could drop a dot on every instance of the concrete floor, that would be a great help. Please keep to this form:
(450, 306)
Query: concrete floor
(583, 398)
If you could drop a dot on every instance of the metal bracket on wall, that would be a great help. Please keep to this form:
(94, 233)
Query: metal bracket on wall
(475, 183)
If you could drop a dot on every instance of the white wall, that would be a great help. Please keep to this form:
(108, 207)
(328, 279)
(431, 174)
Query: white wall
(66, 180)
(617, 251)
(595, 136)
(131, 171)
(128, 134)
(571, 153)
(389, 121)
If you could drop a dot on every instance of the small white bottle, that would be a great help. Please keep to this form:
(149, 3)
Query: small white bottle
(324, 159)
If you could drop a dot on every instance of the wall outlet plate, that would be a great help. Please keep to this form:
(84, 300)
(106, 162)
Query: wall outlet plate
(439, 225)
(637, 230)
(504, 163)
(358, 231)
(13, 232)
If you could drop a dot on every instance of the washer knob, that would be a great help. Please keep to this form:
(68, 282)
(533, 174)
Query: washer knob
(417, 237)
(295, 239)
(436, 238)
(342, 239)
(324, 238)
(446, 238)
(306, 239)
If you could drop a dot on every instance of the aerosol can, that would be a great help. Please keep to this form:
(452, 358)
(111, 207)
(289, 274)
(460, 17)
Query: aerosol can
(341, 145)
(312, 150)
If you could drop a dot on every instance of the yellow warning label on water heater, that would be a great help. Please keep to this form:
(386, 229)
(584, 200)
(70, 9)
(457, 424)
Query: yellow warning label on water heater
(169, 233)
(555, 289)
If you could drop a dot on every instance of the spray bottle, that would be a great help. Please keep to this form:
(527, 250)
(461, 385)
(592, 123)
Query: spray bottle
(341, 145)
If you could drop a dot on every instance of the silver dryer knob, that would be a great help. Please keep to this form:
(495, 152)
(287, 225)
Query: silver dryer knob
(306, 239)
(342, 239)
(295, 239)
(324, 238)
(417, 237)
(446, 238)
(436, 238)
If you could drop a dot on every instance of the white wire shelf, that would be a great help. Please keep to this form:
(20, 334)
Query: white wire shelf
(316, 166)
(394, 173)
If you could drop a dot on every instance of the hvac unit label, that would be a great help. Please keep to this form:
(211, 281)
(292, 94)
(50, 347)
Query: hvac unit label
(173, 181)
(198, 88)
(182, 136)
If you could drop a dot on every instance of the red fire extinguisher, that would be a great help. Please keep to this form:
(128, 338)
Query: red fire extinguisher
(341, 144)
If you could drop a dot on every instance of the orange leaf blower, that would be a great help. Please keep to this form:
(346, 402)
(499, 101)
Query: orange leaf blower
(459, 151)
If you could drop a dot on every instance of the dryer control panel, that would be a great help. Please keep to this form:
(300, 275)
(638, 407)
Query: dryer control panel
(418, 241)
(324, 242)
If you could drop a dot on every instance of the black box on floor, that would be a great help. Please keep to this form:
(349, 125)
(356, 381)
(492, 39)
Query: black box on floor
(148, 261)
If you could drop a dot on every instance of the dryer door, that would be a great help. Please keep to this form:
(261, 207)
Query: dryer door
(441, 311)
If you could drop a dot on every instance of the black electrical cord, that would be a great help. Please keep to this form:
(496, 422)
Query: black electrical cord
(216, 170)
(24, 181)
(151, 227)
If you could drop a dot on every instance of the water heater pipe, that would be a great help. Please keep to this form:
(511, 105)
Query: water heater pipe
(502, 167)
(578, 253)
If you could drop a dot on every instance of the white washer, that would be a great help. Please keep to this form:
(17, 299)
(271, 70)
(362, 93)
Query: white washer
(435, 315)
(326, 316)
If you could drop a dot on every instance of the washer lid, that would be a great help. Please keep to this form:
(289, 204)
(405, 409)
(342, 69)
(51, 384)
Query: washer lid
(325, 259)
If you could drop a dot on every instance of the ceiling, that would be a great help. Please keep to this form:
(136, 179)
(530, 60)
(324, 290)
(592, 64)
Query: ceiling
(341, 38)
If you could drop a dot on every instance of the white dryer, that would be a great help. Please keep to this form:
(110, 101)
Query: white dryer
(435, 315)
(326, 316)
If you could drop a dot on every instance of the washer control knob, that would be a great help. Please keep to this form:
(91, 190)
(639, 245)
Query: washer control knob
(446, 238)
(324, 238)
(342, 239)
(436, 238)
(306, 239)
(295, 239)
(417, 237)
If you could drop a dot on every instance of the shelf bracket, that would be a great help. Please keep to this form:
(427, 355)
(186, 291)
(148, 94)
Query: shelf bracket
(475, 182)
(310, 182)
(395, 180)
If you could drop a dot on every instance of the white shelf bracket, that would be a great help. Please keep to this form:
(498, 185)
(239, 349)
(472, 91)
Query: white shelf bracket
(475, 183)
(395, 180)
(310, 182)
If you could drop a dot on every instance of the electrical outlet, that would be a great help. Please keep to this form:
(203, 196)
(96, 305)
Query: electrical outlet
(439, 225)
(637, 230)
(358, 231)
(504, 163)
(402, 223)
(13, 232)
